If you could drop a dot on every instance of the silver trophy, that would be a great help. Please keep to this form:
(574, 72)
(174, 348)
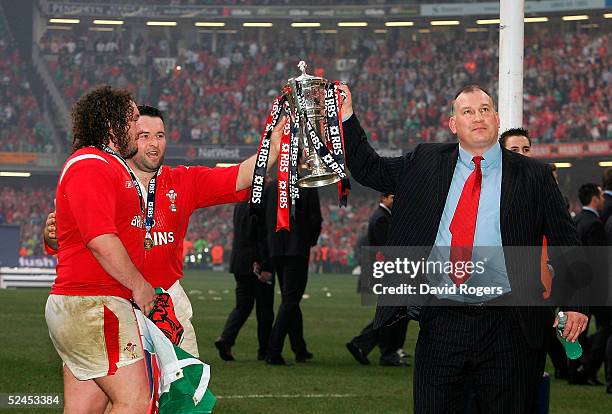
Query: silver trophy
(314, 171)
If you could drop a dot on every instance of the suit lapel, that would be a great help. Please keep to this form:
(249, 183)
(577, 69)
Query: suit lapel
(508, 186)
(446, 168)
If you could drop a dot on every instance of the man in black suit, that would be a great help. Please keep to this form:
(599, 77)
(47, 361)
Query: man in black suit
(607, 205)
(592, 235)
(254, 285)
(518, 140)
(289, 252)
(500, 350)
(388, 338)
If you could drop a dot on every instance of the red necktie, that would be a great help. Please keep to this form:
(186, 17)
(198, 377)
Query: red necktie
(463, 226)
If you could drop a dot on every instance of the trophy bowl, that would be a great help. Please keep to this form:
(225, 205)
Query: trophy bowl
(306, 97)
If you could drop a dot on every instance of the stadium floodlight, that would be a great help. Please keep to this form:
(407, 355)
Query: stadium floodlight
(487, 21)
(399, 24)
(536, 19)
(605, 163)
(608, 16)
(66, 21)
(444, 22)
(155, 23)
(15, 174)
(575, 17)
(563, 164)
(209, 24)
(352, 24)
(101, 29)
(108, 22)
(305, 24)
(257, 24)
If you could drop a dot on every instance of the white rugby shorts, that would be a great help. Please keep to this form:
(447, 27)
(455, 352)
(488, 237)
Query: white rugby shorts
(93, 335)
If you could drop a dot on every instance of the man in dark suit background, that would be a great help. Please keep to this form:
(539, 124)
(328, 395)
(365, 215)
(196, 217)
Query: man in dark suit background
(598, 347)
(518, 140)
(607, 204)
(289, 252)
(499, 349)
(254, 285)
(388, 338)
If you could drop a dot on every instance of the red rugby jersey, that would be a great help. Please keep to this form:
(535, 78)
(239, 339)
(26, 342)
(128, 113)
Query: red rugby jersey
(95, 196)
(187, 189)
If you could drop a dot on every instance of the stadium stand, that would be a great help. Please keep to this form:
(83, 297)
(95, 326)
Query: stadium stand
(220, 96)
(22, 128)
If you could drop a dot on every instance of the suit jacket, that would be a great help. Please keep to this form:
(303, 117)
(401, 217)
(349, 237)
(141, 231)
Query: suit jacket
(590, 229)
(608, 229)
(592, 235)
(607, 208)
(244, 246)
(378, 227)
(305, 227)
(531, 207)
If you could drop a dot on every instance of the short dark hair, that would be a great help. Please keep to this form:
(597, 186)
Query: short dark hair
(467, 89)
(385, 195)
(512, 132)
(153, 112)
(99, 111)
(472, 88)
(587, 192)
(607, 179)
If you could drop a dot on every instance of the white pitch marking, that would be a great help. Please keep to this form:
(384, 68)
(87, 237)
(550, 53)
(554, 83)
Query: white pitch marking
(227, 397)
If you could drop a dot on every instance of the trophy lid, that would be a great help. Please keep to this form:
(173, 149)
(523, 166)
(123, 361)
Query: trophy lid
(304, 76)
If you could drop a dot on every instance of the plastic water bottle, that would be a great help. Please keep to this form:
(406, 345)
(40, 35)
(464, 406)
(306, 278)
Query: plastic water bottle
(573, 350)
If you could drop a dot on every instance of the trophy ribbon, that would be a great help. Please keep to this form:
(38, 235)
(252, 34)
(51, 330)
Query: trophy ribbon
(263, 153)
(333, 116)
(294, 149)
(282, 212)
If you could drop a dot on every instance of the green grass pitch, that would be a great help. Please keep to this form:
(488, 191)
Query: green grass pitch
(331, 383)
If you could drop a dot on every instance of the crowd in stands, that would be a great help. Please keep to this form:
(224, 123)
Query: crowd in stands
(402, 85)
(22, 127)
(27, 207)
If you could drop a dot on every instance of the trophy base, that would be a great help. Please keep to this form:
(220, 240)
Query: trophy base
(320, 180)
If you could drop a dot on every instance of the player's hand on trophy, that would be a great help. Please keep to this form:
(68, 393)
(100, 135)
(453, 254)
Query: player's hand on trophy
(275, 138)
(144, 296)
(346, 101)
